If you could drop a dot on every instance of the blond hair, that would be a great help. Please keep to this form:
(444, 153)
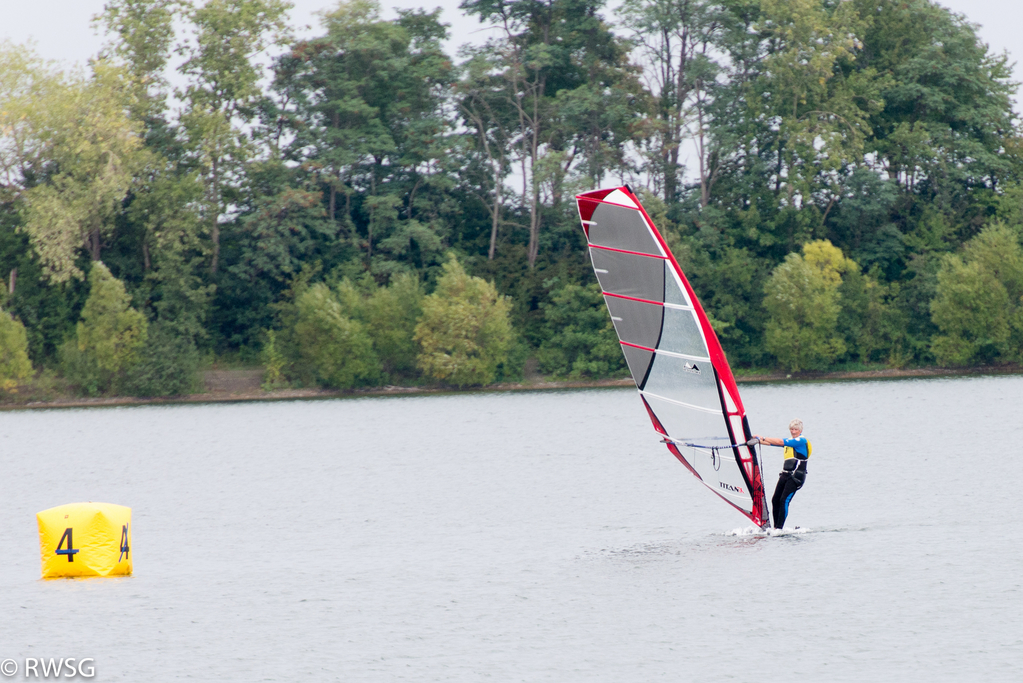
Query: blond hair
(797, 423)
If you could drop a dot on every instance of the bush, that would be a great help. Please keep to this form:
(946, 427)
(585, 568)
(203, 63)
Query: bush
(465, 333)
(803, 301)
(580, 339)
(14, 363)
(81, 370)
(274, 363)
(168, 365)
(391, 316)
(873, 324)
(109, 337)
(979, 301)
(334, 350)
(513, 367)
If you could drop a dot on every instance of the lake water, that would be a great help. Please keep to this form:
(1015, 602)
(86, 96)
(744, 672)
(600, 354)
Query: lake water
(525, 537)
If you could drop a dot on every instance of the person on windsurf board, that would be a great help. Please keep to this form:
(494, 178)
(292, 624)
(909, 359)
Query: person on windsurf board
(793, 474)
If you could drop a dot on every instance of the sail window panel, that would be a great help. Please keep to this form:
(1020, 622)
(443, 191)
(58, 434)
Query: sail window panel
(673, 291)
(618, 227)
(688, 425)
(636, 322)
(632, 275)
(729, 403)
(682, 333)
(684, 380)
(721, 473)
(639, 362)
(737, 433)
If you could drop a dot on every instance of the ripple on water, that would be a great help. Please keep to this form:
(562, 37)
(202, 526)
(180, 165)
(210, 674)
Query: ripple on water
(540, 537)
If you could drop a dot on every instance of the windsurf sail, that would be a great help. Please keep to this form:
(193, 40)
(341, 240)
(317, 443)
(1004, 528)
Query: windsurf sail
(671, 349)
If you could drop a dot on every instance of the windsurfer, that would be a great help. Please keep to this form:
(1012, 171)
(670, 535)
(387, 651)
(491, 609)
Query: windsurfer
(793, 475)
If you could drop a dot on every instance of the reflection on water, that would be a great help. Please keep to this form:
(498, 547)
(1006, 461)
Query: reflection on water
(540, 537)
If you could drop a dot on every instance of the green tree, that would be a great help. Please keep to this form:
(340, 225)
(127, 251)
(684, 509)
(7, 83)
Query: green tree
(873, 324)
(110, 335)
(223, 68)
(392, 313)
(944, 136)
(15, 366)
(558, 84)
(979, 302)
(862, 225)
(465, 333)
(947, 102)
(677, 38)
(78, 155)
(370, 128)
(820, 103)
(333, 349)
(580, 339)
(47, 311)
(177, 300)
(491, 147)
(730, 283)
(24, 77)
(141, 35)
(265, 249)
(803, 300)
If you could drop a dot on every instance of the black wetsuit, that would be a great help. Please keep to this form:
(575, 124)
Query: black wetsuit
(791, 480)
(788, 484)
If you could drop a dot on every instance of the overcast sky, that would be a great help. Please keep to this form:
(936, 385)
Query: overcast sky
(62, 31)
(61, 28)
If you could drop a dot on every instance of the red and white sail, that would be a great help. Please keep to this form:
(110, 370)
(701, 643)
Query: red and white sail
(672, 351)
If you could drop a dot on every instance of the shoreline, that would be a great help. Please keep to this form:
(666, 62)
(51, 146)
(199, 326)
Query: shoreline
(235, 386)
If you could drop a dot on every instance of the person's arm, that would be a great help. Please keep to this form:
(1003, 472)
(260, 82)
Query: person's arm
(769, 441)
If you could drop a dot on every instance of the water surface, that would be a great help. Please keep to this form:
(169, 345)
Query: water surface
(525, 537)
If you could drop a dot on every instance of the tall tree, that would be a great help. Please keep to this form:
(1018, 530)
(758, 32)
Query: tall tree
(370, 126)
(820, 106)
(947, 105)
(493, 126)
(224, 72)
(563, 76)
(86, 151)
(141, 35)
(678, 39)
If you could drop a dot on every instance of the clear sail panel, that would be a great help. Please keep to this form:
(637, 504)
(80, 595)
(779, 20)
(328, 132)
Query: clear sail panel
(685, 380)
(682, 333)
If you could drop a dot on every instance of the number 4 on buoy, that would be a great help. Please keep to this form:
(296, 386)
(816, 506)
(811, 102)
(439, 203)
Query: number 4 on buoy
(85, 539)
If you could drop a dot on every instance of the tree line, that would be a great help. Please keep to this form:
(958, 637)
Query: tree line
(840, 180)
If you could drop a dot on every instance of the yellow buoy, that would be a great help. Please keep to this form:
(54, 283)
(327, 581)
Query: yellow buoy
(85, 539)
